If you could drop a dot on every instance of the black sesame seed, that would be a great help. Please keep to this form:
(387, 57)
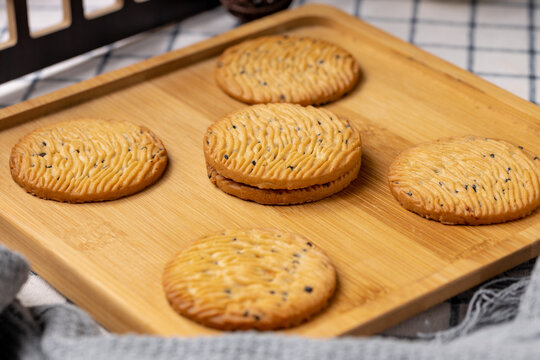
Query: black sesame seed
(296, 262)
(296, 255)
(535, 158)
(346, 141)
(409, 193)
(242, 72)
(234, 126)
(507, 180)
(246, 314)
(272, 292)
(32, 165)
(102, 161)
(264, 83)
(308, 289)
(440, 183)
(435, 171)
(284, 293)
(320, 62)
(44, 143)
(520, 147)
(290, 167)
(338, 57)
(441, 205)
(492, 155)
(457, 192)
(226, 157)
(227, 291)
(48, 166)
(256, 317)
(466, 187)
(234, 239)
(281, 97)
(474, 188)
(42, 154)
(77, 151)
(309, 244)
(318, 122)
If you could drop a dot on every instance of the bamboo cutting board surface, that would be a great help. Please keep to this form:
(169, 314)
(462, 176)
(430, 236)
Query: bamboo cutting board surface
(108, 257)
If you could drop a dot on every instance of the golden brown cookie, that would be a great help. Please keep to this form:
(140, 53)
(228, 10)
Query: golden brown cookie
(249, 279)
(467, 180)
(282, 197)
(87, 160)
(284, 68)
(282, 146)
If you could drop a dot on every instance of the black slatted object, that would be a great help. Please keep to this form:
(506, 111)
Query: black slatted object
(83, 34)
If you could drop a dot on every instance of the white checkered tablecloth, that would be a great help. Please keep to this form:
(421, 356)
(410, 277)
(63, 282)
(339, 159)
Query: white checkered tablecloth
(496, 39)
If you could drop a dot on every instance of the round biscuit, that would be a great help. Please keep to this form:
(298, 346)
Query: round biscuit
(282, 146)
(249, 279)
(467, 180)
(282, 197)
(284, 68)
(87, 160)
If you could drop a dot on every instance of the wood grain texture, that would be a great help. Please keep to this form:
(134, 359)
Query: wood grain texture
(108, 257)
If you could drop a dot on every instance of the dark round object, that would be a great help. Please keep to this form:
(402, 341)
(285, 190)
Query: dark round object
(247, 10)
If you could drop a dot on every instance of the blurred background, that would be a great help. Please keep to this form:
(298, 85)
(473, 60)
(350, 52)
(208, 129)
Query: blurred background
(498, 40)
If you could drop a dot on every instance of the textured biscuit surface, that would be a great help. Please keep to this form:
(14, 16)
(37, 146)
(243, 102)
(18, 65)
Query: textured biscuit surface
(282, 146)
(467, 180)
(282, 197)
(290, 69)
(87, 160)
(249, 279)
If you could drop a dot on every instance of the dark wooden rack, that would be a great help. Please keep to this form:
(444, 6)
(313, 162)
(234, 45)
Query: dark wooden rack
(78, 33)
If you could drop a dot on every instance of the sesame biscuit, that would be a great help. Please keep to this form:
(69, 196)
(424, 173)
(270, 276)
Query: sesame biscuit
(249, 279)
(282, 146)
(467, 180)
(87, 160)
(282, 197)
(284, 68)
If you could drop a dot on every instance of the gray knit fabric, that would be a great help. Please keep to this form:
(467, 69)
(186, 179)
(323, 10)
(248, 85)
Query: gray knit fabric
(503, 322)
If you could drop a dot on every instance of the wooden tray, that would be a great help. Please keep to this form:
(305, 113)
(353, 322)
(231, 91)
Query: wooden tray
(108, 257)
